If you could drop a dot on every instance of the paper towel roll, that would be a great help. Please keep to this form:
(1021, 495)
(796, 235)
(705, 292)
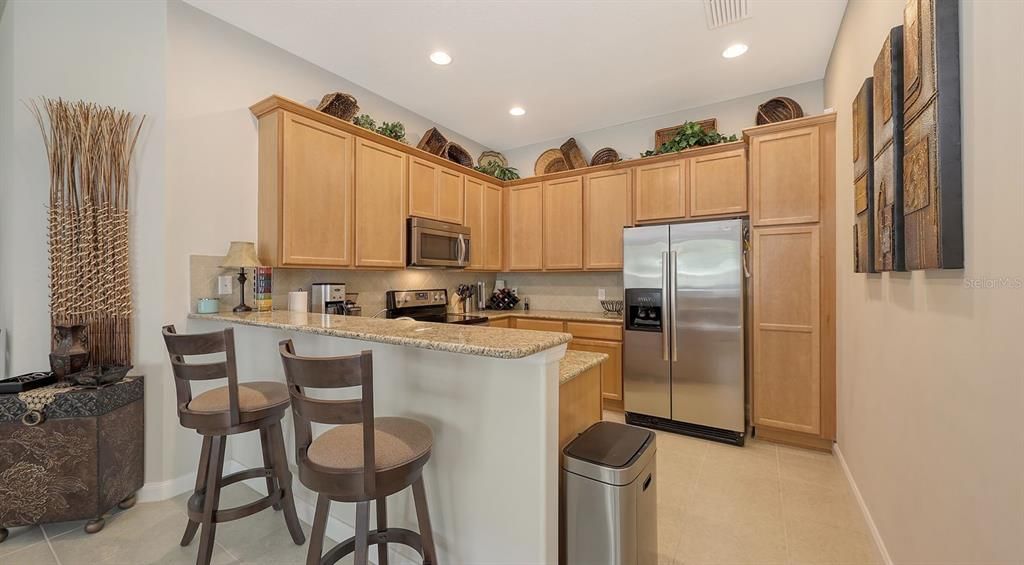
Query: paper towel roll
(298, 301)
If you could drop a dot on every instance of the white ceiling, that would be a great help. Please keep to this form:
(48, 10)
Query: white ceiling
(575, 66)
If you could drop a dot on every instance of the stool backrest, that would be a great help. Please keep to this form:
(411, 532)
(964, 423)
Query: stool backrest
(180, 346)
(331, 372)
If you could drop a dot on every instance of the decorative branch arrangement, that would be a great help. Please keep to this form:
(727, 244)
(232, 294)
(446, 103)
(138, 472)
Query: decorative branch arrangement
(90, 148)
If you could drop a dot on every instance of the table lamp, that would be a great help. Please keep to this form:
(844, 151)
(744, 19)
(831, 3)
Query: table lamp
(241, 255)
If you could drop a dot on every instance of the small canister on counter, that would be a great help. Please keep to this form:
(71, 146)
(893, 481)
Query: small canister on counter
(208, 306)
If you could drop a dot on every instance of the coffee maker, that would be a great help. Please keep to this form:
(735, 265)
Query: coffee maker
(327, 298)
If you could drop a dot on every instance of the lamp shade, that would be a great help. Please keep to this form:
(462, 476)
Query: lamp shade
(241, 254)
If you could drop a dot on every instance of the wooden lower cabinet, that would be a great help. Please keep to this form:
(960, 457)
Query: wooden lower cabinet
(500, 323)
(523, 219)
(539, 325)
(380, 206)
(611, 388)
(579, 404)
(786, 331)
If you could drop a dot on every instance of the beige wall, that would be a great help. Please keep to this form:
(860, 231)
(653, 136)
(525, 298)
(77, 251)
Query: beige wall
(631, 139)
(576, 292)
(930, 367)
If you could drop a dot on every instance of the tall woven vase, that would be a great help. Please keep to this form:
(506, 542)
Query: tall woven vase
(89, 148)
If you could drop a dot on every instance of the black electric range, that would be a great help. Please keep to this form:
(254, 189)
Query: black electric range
(426, 306)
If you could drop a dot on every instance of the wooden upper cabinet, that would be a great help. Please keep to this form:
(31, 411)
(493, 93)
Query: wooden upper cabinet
(718, 183)
(607, 208)
(474, 220)
(380, 195)
(785, 179)
(524, 218)
(306, 177)
(435, 191)
(660, 192)
(493, 220)
(786, 335)
(563, 224)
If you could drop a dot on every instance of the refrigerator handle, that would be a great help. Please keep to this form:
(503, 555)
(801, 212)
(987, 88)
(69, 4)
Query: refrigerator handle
(672, 310)
(666, 310)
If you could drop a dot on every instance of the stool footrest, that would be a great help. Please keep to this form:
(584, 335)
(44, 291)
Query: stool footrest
(195, 502)
(403, 536)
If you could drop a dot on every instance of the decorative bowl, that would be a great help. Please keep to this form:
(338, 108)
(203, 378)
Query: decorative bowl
(612, 306)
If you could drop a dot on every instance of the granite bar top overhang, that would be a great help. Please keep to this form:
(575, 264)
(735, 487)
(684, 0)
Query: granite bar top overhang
(500, 343)
(570, 315)
(575, 363)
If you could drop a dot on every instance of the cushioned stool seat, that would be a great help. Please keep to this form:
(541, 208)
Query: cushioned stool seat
(252, 396)
(397, 441)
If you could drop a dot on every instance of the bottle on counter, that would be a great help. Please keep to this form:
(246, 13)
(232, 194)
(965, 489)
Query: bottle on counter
(526, 303)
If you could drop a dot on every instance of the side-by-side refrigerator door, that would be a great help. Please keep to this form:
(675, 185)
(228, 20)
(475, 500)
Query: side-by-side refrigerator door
(707, 333)
(645, 350)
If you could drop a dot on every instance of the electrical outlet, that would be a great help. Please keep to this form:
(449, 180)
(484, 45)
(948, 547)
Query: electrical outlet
(600, 294)
(224, 284)
(515, 291)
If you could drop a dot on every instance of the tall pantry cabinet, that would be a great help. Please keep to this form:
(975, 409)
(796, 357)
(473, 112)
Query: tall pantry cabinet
(792, 216)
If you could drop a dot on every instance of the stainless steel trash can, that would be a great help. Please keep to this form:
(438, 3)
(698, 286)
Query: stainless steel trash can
(611, 512)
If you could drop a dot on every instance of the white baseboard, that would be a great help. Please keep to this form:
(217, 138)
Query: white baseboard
(875, 534)
(155, 492)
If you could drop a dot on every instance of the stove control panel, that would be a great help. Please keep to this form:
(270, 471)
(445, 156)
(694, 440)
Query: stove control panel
(415, 298)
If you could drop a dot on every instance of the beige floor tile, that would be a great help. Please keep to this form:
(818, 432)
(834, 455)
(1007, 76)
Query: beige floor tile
(262, 537)
(727, 496)
(741, 464)
(35, 554)
(675, 445)
(19, 538)
(58, 528)
(810, 502)
(741, 540)
(614, 416)
(818, 468)
(814, 543)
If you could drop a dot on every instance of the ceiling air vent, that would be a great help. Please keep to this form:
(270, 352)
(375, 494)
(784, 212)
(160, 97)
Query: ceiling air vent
(721, 13)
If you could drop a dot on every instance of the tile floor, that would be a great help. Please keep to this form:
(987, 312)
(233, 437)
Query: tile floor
(717, 504)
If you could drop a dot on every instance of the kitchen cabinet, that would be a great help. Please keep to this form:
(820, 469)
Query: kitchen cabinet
(305, 178)
(539, 325)
(524, 218)
(718, 183)
(607, 208)
(435, 191)
(787, 378)
(483, 206)
(563, 224)
(660, 192)
(380, 211)
(611, 388)
(785, 177)
(579, 405)
(500, 323)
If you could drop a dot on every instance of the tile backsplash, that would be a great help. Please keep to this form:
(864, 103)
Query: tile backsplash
(575, 292)
(370, 285)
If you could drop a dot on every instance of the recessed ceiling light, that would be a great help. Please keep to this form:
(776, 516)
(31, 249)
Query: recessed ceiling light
(440, 58)
(516, 111)
(734, 50)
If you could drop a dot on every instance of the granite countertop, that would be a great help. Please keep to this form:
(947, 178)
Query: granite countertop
(575, 363)
(554, 315)
(500, 343)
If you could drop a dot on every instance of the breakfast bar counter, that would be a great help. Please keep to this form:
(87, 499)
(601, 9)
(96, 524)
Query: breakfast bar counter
(490, 397)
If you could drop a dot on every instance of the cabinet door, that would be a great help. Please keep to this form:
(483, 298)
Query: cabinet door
(524, 217)
(493, 219)
(380, 206)
(785, 182)
(449, 196)
(475, 221)
(611, 388)
(539, 325)
(787, 376)
(718, 183)
(563, 224)
(316, 194)
(660, 192)
(423, 180)
(606, 210)
(502, 323)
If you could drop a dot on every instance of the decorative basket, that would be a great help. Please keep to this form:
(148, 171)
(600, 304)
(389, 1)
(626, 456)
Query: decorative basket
(341, 105)
(550, 161)
(432, 142)
(604, 156)
(572, 154)
(778, 109)
(664, 135)
(457, 154)
(491, 157)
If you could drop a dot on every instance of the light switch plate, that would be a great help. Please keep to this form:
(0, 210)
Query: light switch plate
(600, 294)
(224, 284)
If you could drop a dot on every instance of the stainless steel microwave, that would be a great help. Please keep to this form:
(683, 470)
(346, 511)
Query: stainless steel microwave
(434, 244)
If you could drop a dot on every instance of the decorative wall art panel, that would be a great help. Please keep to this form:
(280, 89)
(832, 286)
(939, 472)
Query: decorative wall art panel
(888, 143)
(863, 166)
(932, 165)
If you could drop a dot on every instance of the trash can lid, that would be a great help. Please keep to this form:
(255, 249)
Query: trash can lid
(609, 444)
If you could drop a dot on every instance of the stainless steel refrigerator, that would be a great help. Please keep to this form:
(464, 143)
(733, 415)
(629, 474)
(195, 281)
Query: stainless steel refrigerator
(683, 350)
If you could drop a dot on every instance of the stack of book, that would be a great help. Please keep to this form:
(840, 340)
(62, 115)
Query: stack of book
(263, 289)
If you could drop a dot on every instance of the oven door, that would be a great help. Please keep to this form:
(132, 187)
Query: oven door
(438, 244)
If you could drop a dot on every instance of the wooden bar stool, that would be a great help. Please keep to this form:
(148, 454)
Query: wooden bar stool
(220, 412)
(361, 459)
